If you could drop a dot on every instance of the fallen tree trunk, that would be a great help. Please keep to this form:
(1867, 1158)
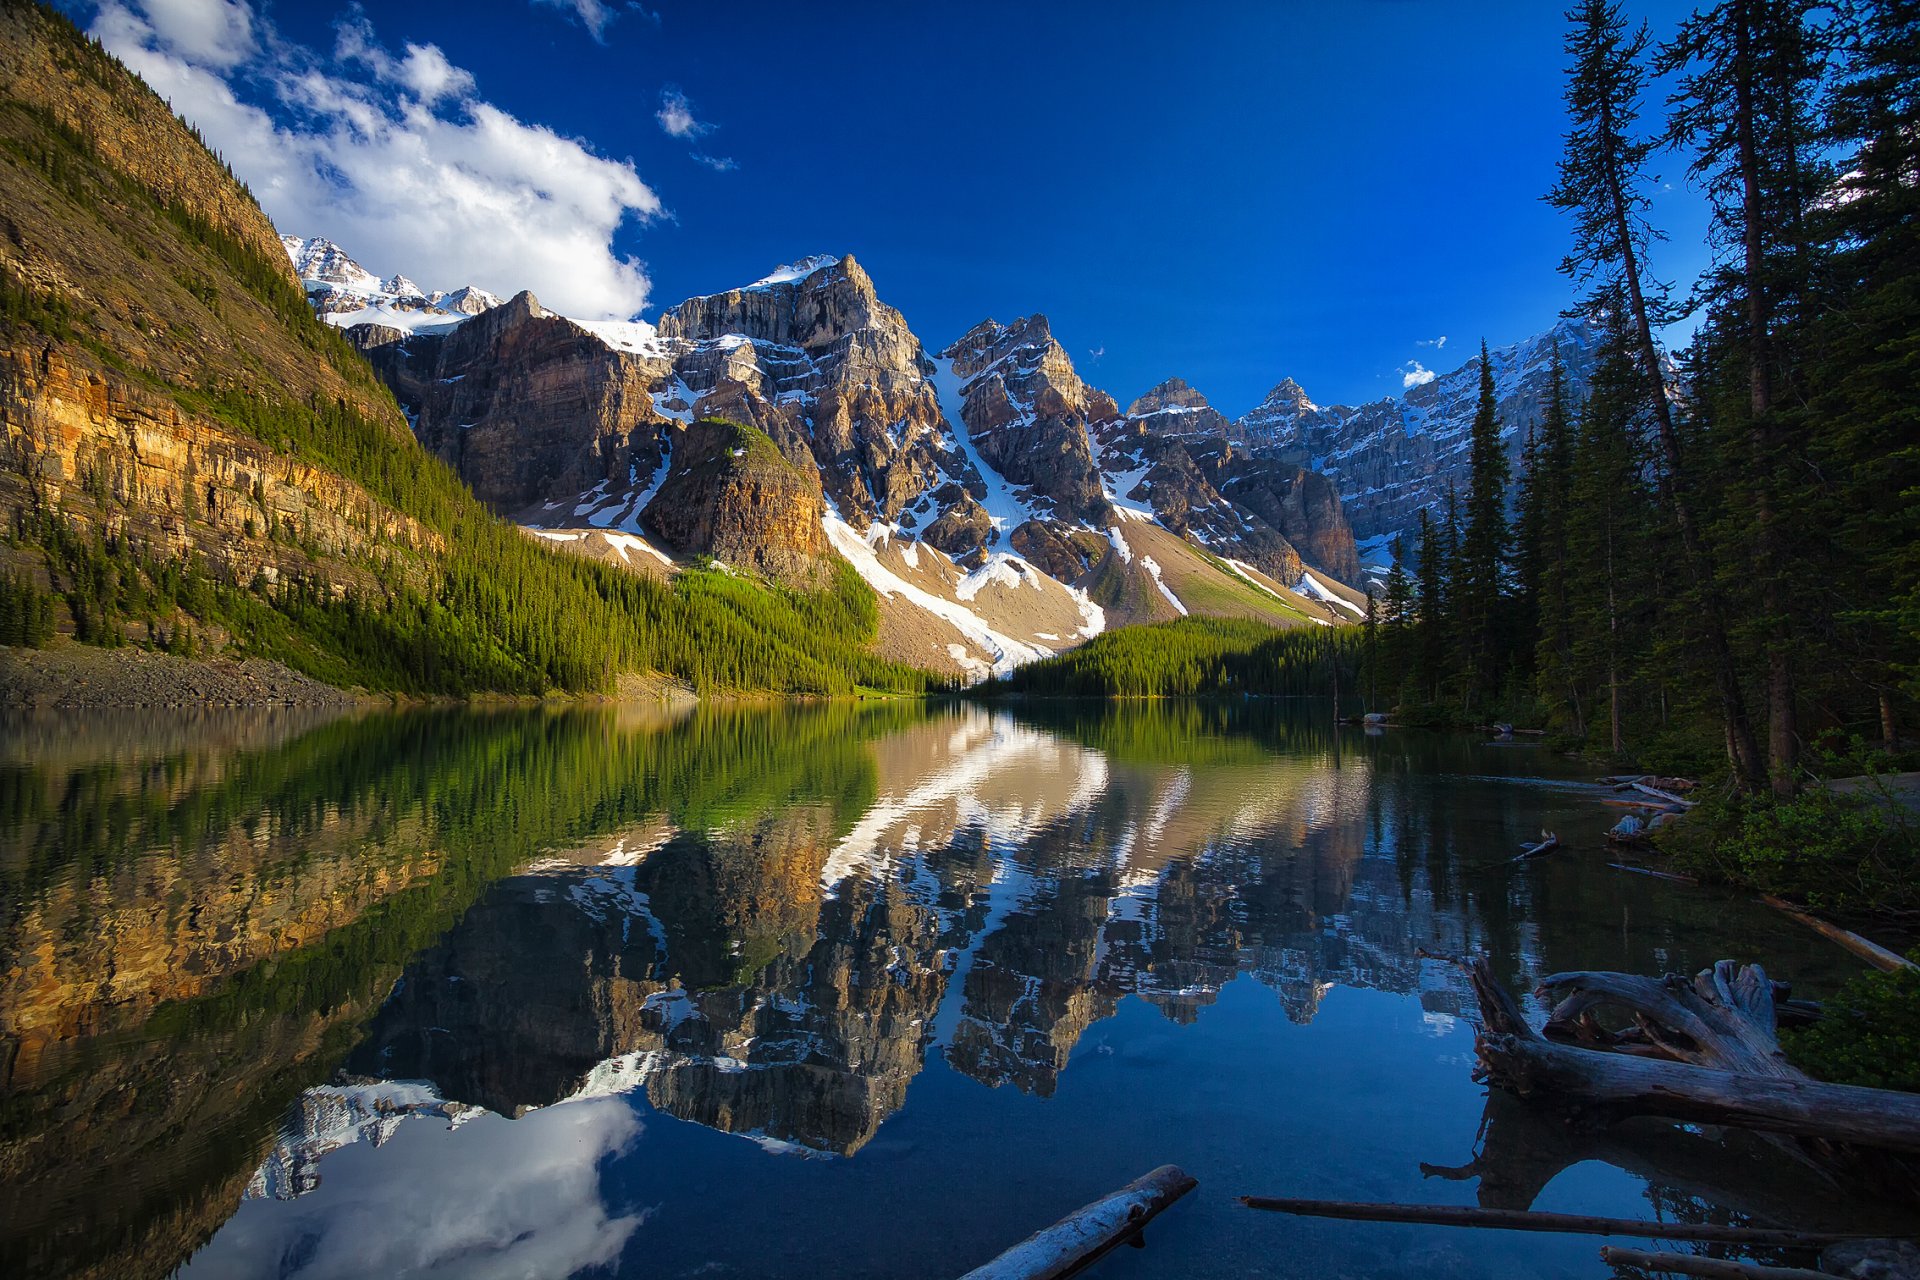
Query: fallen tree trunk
(1689, 1264)
(1666, 797)
(1770, 1096)
(1083, 1237)
(1584, 1224)
(1872, 952)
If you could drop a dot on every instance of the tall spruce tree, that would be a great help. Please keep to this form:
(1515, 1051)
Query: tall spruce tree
(1748, 72)
(1608, 545)
(1430, 604)
(1546, 503)
(1482, 574)
(1863, 350)
(1602, 184)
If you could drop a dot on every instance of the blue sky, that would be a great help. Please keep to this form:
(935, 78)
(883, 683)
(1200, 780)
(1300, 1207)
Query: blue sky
(1231, 193)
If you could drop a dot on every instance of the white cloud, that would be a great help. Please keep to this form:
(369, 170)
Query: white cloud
(594, 15)
(495, 1198)
(719, 164)
(676, 116)
(394, 157)
(1414, 374)
(425, 70)
(1435, 343)
(213, 33)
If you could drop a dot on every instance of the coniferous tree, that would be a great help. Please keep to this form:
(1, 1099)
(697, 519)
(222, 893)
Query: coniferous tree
(1607, 545)
(1397, 624)
(1545, 570)
(1453, 610)
(1748, 70)
(1481, 578)
(1863, 345)
(1430, 604)
(1602, 184)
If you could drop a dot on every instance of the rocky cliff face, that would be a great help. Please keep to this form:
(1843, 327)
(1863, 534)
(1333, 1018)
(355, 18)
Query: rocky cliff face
(1173, 452)
(525, 405)
(1394, 457)
(1028, 416)
(993, 454)
(730, 494)
(135, 347)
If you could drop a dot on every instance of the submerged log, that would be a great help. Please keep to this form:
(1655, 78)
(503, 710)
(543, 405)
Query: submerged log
(1583, 1224)
(1547, 843)
(1762, 1092)
(1692, 1264)
(1872, 952)
(1083, 1237)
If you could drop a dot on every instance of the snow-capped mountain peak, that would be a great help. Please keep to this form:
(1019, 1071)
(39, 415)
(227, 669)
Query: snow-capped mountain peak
(792, 272)
(345, 293)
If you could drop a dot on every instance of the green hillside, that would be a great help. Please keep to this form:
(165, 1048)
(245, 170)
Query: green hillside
(191, 458)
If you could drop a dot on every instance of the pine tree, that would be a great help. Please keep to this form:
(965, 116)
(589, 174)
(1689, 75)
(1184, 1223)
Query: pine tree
(1602, 184)
(1863, 348)
(1482, 573)
(1397, 621)
(1606, 550)
(1747, 71)
(1544, 568)
(1430, 604)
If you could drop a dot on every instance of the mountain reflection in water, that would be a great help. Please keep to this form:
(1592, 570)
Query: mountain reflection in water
(238, 962)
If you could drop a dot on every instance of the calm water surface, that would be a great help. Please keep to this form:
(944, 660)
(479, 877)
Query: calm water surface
(826, 990)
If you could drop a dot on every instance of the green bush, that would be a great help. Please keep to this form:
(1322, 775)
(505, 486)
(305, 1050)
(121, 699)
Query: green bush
(1844, 854)
(1869, 1036)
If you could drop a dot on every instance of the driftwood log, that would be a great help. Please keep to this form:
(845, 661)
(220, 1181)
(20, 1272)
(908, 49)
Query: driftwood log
(1701, 1050)
(1690, 1264)
(1872, 952)
(1691, 1174)
(1580, 1224)
(1083, 1237)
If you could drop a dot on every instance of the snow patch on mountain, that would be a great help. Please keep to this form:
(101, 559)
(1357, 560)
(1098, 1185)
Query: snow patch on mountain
(1006, 509)
(790, 272)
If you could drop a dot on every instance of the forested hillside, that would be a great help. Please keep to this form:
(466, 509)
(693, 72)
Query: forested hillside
(1716, 560)
(192, 459)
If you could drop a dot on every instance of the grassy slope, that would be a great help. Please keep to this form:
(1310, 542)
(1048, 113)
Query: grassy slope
(152, 278)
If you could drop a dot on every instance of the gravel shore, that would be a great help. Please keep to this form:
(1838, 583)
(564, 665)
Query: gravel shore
(78, 675)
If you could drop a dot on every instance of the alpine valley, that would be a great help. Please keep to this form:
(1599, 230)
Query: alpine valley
(1001, 508)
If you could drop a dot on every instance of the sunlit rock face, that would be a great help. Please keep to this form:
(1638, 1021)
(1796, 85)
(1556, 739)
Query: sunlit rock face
(993, 457)
(1028, 415)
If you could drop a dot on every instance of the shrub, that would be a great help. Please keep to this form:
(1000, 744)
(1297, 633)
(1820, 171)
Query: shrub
(1869, 1036)
(1840, 853)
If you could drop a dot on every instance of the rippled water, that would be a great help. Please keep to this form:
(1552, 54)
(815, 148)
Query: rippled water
(828, 990)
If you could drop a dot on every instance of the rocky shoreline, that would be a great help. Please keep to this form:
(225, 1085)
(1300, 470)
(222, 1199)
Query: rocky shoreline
(81, 676)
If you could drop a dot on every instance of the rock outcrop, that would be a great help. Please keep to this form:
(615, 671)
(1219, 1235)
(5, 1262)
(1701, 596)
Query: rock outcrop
(1028, 415)
(730, 494)
(528, 407)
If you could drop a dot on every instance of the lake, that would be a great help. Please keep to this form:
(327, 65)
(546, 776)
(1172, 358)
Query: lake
(816, 990)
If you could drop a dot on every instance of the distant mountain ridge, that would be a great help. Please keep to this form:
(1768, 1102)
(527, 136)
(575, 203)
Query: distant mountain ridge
(991, 498)
(1395, 456)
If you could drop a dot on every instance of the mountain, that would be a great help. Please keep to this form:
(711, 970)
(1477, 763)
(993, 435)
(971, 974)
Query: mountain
(194, 460)
(1391, 458)
(972, 489)
(339, 287)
